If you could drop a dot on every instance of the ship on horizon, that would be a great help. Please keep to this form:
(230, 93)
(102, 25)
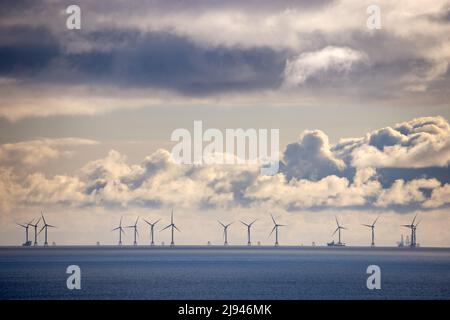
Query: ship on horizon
(335, 244)
(338, 230)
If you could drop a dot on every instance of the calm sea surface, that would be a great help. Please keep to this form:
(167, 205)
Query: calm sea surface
(223, 273)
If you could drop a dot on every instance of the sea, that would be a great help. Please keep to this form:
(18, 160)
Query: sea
(215, 272)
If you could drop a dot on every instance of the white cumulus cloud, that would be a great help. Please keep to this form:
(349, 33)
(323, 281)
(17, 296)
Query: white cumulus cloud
(308, 64)
(314, 175)
(38, 151)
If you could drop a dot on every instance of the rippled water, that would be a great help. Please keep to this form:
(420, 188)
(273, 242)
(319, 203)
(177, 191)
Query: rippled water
(223, 273)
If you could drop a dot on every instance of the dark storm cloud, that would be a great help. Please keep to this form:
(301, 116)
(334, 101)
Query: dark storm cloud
(131, 58)
(202, 5)
(17, 7)
(141, 53)
(25, 50)
(168, 61)
(134, 58)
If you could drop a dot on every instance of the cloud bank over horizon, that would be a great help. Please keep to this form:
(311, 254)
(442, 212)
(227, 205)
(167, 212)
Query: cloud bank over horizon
(400, 168)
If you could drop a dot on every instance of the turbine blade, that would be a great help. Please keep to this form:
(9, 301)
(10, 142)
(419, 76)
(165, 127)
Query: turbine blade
(335, 231)
(156, 221)
(274, 222)
(273, 229)
(20, 225)
(115, 229)
(412, 223)
(243, 223)
(376, 220)
(253, 222)
(337, 222)
(418, 223)
(176, 228)
(147, 222)
(41, 230)
(367, 225)
(43, 219)
(166, 227)
(221, 224)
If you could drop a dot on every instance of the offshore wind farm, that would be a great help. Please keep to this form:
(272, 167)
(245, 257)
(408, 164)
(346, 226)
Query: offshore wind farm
(120, 231)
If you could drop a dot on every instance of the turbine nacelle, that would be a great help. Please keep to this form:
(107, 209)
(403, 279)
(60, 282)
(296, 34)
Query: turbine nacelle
(152, 224)
(225, 233)
(249, 226)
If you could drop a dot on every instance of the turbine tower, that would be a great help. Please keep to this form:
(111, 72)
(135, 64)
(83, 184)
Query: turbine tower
(249, 243)
(172, 226)
(372, 226)
(413, 228)
(26, 226)
(338, 229)
(136, 233)
(120, 228)
(46, 226)
(152, 226)
(415, 236)
(275, 228)
(35, 226)
(225, 232)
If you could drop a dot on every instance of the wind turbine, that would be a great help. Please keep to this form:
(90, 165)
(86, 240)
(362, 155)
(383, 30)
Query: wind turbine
(338, 229)
(136, 233)
(35, 226)
(372, 226)
(120, 228)
(152, 226)
(46, 226)
(172, 226)
(249, 243)
(275, 228)
(225, 231)
(25, 226)
(413, 228)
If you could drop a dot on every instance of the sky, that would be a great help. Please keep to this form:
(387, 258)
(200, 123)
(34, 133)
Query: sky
(86, 117)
